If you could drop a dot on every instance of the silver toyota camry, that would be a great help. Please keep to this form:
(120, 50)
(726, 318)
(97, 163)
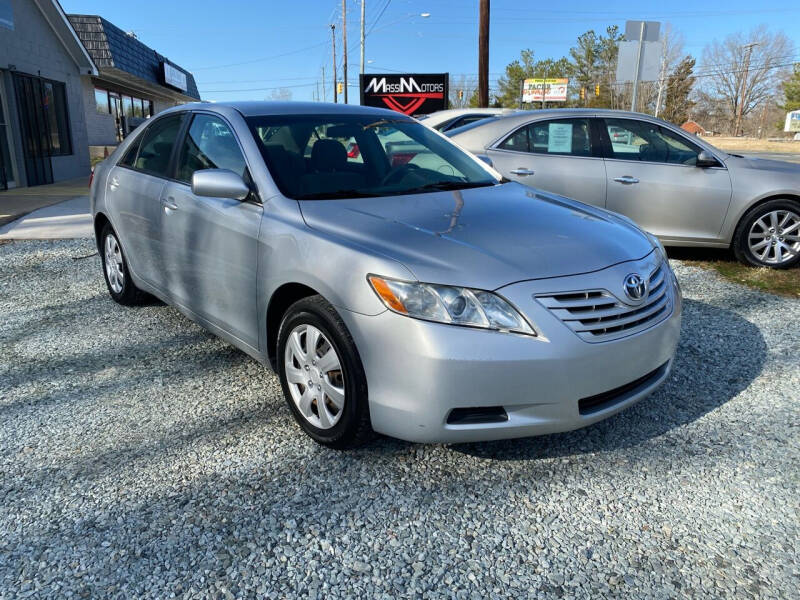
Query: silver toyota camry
(396, 283)
(673, 184)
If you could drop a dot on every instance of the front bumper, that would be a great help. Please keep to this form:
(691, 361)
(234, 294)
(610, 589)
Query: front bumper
(418, 372)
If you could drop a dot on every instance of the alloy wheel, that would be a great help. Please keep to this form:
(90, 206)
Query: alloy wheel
(114, 270)
(315, 377)
(774, 237)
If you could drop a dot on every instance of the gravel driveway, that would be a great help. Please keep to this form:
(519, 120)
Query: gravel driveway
(142, 457)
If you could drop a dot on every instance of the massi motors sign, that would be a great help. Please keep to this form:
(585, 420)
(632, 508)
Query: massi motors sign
(417, 94)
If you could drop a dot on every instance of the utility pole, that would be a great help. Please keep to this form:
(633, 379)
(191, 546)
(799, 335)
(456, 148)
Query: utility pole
(483, 55)
(333, 47)
(363, 12)
(324, 91)
(739, 109)
(344, 47)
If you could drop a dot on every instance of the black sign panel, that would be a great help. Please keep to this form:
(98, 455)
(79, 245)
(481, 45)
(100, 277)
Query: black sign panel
(413, 94)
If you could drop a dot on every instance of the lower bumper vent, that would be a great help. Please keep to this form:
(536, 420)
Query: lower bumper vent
(593, 404)
(477, 415)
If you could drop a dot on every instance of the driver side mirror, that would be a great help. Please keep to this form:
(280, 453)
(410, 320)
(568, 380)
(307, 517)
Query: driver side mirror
(706, 159)
(219, 183)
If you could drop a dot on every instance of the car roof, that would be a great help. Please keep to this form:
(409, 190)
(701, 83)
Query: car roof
(262, 108)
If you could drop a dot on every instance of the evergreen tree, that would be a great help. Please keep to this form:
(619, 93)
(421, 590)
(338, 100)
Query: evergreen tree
(677, 106)
(791, 90)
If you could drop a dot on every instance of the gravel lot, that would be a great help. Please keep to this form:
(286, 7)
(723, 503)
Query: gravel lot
(142, 457)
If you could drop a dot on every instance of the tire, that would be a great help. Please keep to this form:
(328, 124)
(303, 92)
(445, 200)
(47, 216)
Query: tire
(331, 406)
(776, 224)
(115, 271)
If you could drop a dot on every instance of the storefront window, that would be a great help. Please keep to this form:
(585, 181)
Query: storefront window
(101, 100)
(127, 106)
(137, 108)
(148, 108)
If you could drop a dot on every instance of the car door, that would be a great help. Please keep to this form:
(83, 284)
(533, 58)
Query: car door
(133, 192)
(556, 155)
(212, 243)
(654, 180)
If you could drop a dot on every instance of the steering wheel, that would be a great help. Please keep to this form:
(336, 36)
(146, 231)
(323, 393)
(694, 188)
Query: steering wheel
(395, 174)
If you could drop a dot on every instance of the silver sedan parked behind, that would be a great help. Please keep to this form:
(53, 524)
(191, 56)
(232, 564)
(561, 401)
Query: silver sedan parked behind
(430, 303)
(671, 183)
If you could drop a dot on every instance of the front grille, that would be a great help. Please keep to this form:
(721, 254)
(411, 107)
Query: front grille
(592, 404)
(598, 316)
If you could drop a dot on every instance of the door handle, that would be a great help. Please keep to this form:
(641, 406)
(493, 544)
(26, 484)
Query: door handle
(522, 172)
(169, 204)
(627, 179)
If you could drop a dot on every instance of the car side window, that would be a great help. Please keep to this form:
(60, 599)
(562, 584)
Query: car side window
(155, 149)
(648, 142)
(209, 144)
(564, 137)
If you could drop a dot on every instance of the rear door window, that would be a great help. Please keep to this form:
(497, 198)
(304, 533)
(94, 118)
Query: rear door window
(565, 137)
(155, 150)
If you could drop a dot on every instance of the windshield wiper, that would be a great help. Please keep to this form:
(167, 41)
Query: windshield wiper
(338, 194)
(450, 185)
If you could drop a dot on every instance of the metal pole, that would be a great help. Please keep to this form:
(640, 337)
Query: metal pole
(363, 2)
(333, 46)
(483, 55)
(324, 91)
(663, 75)
(638, 68)
(344, 47)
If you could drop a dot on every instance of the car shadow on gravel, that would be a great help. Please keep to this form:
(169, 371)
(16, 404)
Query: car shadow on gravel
(719, 355)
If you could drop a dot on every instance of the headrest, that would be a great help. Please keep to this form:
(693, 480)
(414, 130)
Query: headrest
(328, 155)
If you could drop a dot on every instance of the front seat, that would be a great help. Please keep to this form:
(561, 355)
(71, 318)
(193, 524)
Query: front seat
(329, 169)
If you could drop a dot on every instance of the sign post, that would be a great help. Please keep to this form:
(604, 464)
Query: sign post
(639, 55)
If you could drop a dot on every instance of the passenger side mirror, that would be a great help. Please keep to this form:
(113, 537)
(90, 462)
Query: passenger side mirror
(706, 159)
(219, 183)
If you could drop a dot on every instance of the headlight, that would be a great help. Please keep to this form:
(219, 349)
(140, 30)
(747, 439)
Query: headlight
(658, 245)
(448, 304)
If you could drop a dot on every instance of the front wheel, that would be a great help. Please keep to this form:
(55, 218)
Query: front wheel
(115, 269)
(769, 235)
(321, 374)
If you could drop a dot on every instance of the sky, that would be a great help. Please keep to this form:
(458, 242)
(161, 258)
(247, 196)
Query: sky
(247, 50)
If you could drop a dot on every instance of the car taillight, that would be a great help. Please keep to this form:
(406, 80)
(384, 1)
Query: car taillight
(353, 152)
(402, 158)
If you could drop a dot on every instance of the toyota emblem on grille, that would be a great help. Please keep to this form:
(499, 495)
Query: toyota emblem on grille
(635, 287)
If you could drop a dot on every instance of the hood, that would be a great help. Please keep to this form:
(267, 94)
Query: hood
(764, 164)
(482, 237)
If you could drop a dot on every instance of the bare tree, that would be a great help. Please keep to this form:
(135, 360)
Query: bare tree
(466, 86)
(745, 70)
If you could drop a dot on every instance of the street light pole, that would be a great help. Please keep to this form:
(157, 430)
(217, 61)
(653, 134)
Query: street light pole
(363, 2)
(483, 55)
(344, 47)
(333, 47)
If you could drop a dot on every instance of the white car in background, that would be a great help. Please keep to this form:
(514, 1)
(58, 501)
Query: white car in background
(445, 120)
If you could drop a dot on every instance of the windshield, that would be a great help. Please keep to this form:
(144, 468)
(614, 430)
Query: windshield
(349, 156)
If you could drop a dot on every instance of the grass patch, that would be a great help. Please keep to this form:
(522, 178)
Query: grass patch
(753, 144)
(784, 282)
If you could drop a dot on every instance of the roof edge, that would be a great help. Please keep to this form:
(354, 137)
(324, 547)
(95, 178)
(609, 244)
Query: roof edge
(57, 19)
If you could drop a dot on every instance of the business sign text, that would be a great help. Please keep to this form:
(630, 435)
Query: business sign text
(549, 90)
(417, 94)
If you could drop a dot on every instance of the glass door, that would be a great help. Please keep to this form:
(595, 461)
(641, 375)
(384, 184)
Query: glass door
(6, 168)
(116, 110)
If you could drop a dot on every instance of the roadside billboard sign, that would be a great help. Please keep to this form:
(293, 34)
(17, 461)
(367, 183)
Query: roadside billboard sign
(792, 122)
(549, 90)
(410, 94)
